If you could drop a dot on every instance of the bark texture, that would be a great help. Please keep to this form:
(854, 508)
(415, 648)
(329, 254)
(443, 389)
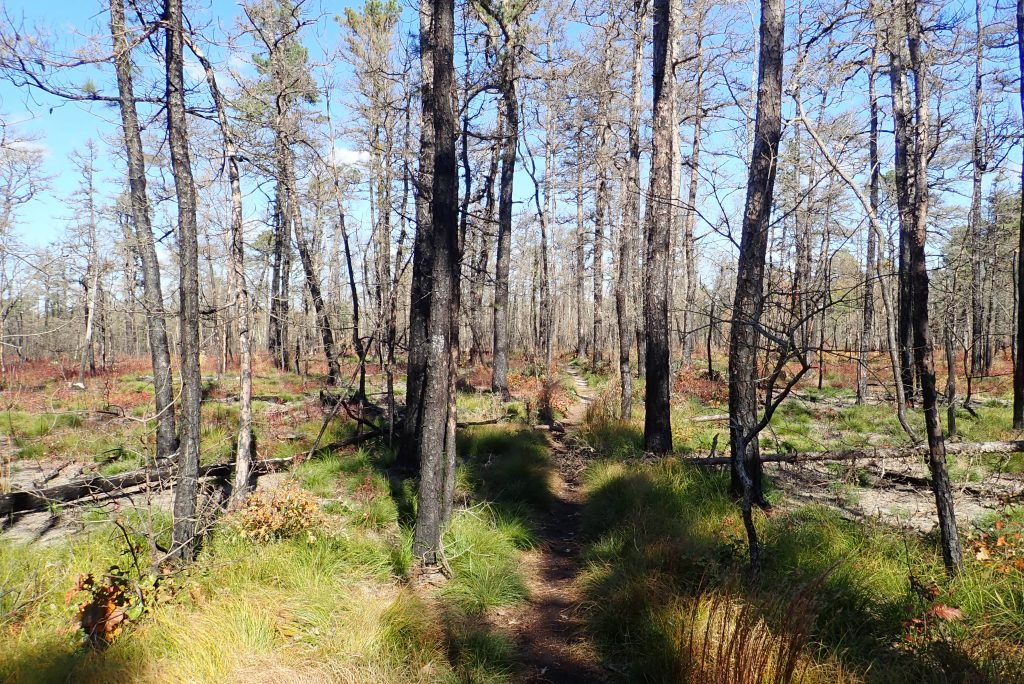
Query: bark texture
(152, 291)
(186, 482)
(657, 418)
(747, 306)
(436, 433)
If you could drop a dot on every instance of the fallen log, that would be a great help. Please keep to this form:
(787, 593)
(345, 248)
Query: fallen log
(1012, 446)
(41, 499)
(709, 419)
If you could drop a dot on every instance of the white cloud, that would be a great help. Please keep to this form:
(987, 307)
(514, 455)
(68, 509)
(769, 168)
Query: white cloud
(343, 155)
(195, 70)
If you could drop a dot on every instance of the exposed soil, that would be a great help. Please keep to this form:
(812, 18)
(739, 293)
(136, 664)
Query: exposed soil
(550, 629)
(895, 492)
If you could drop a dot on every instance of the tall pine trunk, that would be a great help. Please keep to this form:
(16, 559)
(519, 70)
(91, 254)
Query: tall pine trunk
(423, 248)
(657, 403)
(1018, 369)
(509, 147)
(144, 245)
(631, 218)
(436, 436)
(747, 305)
(246, 447)
(923, 352)
(186, 482)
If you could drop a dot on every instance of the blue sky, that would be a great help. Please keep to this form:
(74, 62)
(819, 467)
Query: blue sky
(64, 126)
(61, 126)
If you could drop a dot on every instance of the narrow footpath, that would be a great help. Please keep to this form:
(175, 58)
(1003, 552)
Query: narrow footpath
(550, 629)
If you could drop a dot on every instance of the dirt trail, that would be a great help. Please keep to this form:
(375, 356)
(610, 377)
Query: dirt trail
(550, 629)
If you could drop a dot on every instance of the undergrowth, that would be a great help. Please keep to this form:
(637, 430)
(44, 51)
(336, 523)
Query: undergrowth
(305, 583)
(667, 550)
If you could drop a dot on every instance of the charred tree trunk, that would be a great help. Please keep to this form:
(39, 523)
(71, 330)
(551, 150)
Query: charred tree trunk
(580, 261)
(509, 148)
(690, 208)
(904, 202)
(152, 292)
(246, 448)
(1018, 368)
(657, 402)
(867, 321)
(601, 213)
(747, 306)
(923, 352)
(323, 321)
(277, 334)
(185, 487)
(436, 437)
(979, 365)
(630, 218)
(423, 248)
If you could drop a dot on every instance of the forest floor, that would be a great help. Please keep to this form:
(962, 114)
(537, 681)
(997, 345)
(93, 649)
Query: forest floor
(574, 556)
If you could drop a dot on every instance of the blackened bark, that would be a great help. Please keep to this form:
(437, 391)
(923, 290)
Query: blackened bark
(246, 448)
(152, 292)
(602, 213)
(277, 336)
(423, 248)
(923, 353)
(323, 321)
(185, 487)
(658, 419)
(357, 340)
(690, 209)
(1018, 368)
(867, 321)
(747, 306)
(979, 366)
(509, 147)
(904, 202)
(579, 261)
(436, 437)
(631, 218)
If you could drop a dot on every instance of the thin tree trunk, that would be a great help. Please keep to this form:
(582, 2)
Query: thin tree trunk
(580, 270)
(977, 253)
(631, 217)
(1018, 368)
(743, 365)
(923, 353)
(323, 321)
(690, 209)
(867, 321)
(246, 447)
(153, 300)
(423, 248)
(890, 317)
(510, 145)
(90, 316)
(601, 212)
(904, 149)
(185, 488)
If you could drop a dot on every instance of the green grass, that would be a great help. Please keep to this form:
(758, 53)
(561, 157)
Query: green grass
(483, 556)
(325, 610)
(507, 465)
(322, 607)
(33, 425)
(666, 534)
